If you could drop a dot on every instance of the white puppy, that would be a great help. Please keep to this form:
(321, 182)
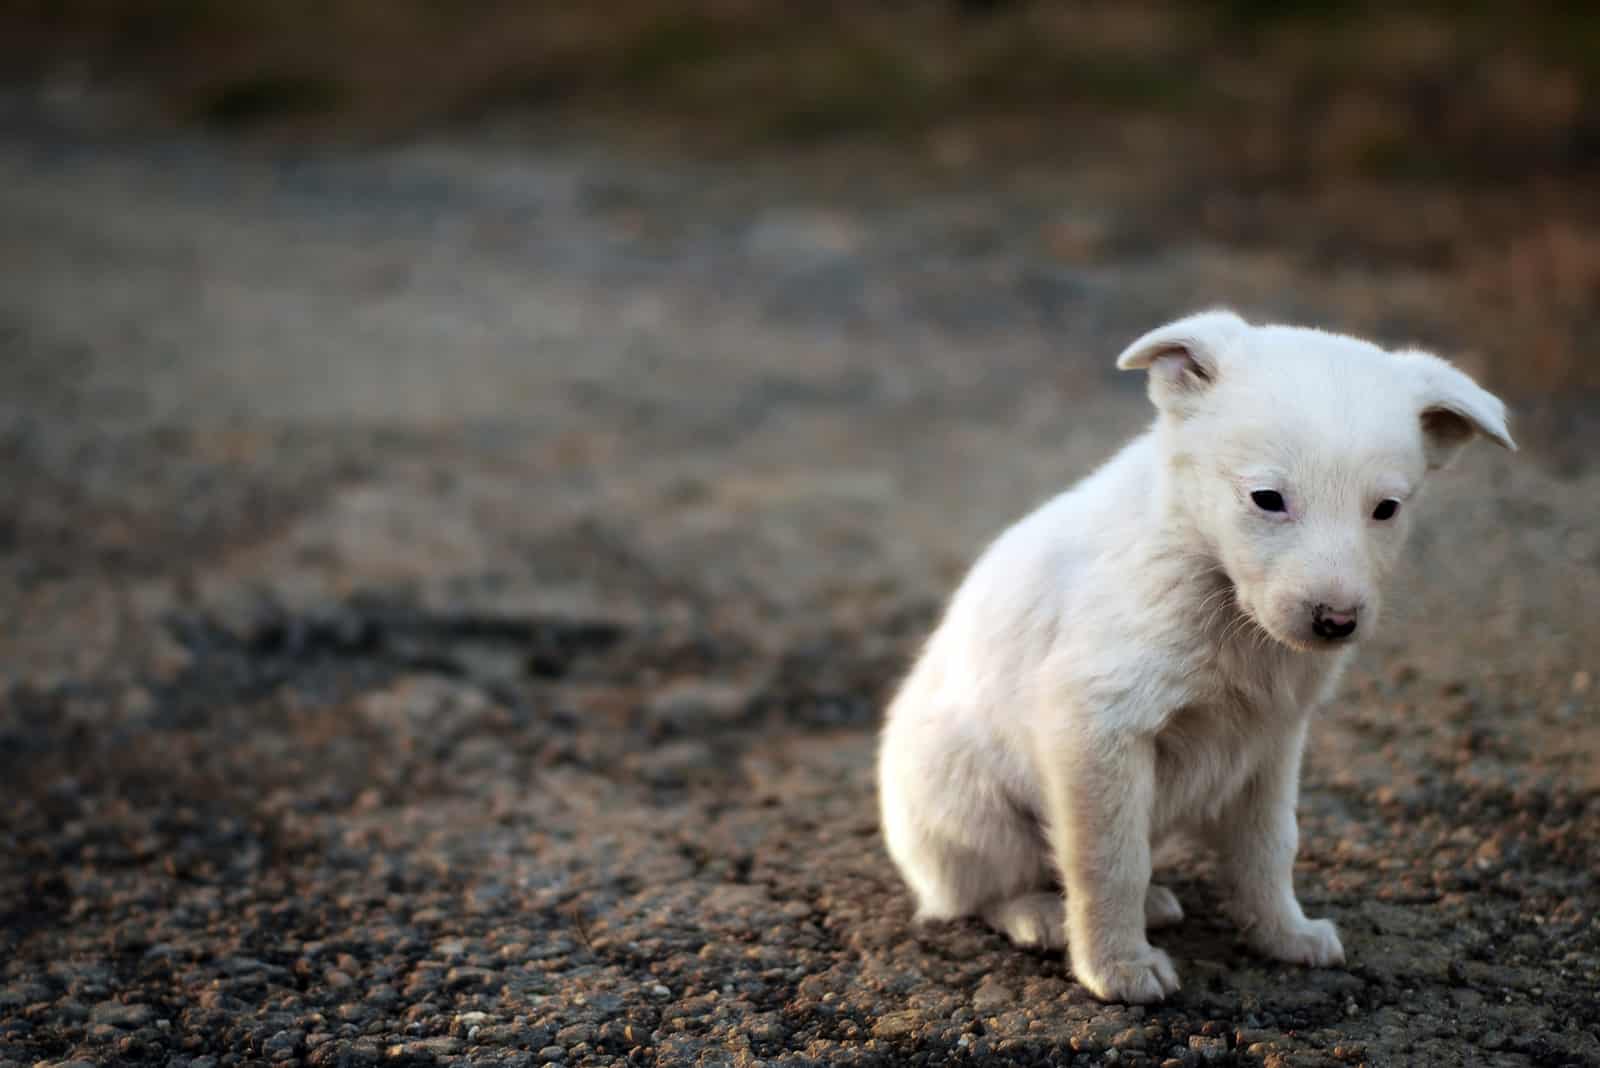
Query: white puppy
(1139, 658)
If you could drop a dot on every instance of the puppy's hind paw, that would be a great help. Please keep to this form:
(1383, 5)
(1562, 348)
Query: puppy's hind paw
(1146, 978)
(1311, 942)
(1031, 920)
(1161, 908)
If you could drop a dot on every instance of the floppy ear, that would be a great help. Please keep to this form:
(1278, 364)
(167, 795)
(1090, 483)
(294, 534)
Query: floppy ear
(1184, 357)
(1453, 409)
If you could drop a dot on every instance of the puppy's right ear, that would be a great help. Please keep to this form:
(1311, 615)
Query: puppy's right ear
(1184, 357)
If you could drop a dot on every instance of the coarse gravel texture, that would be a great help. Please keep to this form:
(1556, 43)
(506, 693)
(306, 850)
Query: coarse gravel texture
(449, 592)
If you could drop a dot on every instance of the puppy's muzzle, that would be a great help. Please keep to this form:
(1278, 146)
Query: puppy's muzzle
(1331, 624)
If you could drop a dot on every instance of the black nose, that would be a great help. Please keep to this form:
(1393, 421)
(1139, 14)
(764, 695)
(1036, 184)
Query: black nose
(1326, 623)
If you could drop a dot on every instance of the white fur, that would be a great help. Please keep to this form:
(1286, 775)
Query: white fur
(1137, 660)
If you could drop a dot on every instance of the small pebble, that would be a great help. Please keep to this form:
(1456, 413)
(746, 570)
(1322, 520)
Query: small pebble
(115, 1014)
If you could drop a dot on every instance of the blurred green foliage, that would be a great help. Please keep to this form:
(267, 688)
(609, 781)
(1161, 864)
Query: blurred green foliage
(1406, 90)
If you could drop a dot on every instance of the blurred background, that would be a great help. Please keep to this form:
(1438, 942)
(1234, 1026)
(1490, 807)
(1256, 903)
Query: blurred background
(1456, 140)
(471, 472)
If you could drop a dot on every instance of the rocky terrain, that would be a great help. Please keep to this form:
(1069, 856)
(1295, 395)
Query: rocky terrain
(449, 591)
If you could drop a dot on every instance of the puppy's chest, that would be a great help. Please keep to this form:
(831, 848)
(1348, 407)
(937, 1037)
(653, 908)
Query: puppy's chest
(1204, 757)
(1213, 744)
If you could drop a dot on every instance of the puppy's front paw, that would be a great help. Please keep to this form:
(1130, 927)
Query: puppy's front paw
(1312, 942)
(1143, 979)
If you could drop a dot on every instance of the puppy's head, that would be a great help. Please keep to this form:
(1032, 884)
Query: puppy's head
(1296, 456)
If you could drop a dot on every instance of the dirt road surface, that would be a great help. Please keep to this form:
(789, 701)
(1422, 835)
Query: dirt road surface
(449, 590)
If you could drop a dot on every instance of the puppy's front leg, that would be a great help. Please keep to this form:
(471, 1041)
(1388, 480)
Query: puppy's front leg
(1102, 787)
(1257, 837)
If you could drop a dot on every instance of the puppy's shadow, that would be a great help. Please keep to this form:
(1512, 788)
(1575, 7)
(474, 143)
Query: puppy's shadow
(1205, 945)
(1205, 933)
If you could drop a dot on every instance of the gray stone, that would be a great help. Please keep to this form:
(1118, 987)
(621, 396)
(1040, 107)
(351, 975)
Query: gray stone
(992, 996)
(117, 1014)
(897, 1024)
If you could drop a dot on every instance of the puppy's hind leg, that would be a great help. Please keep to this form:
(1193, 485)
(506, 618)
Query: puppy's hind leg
(958, 841)
(1003, 878)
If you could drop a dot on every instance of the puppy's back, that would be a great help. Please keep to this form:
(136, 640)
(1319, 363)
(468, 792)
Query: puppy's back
(1007, 612)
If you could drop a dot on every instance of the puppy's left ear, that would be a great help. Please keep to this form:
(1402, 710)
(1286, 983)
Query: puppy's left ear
(1183, 357)
(1454, 409)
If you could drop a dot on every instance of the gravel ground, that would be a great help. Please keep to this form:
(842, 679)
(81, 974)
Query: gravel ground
(450, 591)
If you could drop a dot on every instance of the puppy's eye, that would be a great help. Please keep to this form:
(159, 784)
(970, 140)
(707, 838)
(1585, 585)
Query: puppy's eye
(1270, 500)
(1386, 509)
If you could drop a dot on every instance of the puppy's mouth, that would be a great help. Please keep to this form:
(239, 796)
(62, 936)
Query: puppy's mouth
(1227, 611)
(1300, 643)
(1252, 627)
(1257, 625)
